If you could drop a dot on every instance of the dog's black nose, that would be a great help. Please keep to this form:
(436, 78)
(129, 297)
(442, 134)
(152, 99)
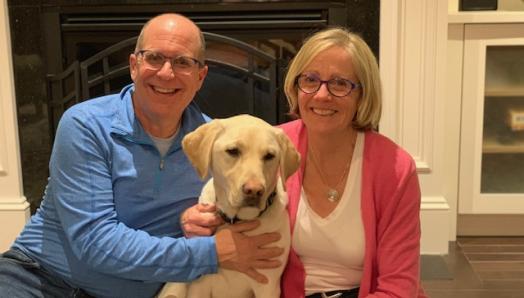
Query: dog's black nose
(253, 189)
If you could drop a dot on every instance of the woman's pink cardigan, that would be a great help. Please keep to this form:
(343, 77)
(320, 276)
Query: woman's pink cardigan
(390, 206)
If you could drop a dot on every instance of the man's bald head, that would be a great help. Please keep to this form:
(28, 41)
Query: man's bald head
(172, 20)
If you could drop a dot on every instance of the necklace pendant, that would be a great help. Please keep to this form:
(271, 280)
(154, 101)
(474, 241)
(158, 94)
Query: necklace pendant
(332, 195)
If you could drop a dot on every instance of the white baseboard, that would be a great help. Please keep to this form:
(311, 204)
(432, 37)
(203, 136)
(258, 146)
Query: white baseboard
(14, 213)
(435, 218)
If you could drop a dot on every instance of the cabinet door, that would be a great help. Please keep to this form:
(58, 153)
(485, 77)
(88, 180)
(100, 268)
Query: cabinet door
(492, 129)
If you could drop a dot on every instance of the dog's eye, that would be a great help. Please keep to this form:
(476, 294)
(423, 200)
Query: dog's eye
(233, 152)
(268, 156)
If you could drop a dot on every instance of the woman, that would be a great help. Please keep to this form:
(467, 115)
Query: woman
(354, 203)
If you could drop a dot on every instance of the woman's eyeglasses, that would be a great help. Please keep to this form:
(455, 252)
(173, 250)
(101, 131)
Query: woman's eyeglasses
(309, 83)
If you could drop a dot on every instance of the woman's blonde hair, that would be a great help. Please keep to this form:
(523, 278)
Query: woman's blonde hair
(365, 68)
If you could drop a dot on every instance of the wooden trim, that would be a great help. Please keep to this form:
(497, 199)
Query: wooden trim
(490, 225)
(14, 209)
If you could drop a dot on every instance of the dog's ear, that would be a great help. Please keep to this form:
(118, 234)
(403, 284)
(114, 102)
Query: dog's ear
(198, 145)
(289, 156)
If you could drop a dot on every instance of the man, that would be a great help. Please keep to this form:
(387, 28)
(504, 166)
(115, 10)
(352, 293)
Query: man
(109, 222)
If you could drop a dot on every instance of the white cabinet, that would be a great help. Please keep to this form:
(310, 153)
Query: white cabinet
(491, 167)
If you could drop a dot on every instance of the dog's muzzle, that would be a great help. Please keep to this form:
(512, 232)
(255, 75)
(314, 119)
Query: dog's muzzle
(233, 220)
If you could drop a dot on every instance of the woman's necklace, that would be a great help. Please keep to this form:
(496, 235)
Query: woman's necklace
(332, 193)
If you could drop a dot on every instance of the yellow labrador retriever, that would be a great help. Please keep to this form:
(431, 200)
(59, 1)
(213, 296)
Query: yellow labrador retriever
(249, 161)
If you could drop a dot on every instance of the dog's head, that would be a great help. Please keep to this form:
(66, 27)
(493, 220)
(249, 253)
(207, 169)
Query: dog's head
(245, 156)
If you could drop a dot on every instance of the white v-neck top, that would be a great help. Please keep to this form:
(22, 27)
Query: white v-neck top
(332, 248)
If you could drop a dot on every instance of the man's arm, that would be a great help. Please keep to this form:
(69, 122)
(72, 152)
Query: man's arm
(81, 185)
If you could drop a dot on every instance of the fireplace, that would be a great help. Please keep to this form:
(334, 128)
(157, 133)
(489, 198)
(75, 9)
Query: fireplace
(79, 50)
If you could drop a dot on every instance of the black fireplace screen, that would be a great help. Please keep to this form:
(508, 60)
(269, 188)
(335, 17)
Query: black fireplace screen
(246, 52)
(241, 80)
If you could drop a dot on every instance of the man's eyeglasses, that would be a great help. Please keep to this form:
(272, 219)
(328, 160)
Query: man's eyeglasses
(179, 64)
(309, 83)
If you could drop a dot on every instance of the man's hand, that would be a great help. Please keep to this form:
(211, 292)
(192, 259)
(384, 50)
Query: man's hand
(239, 252)
(200, 220)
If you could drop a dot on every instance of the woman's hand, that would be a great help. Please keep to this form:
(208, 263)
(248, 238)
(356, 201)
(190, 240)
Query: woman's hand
(235, 250)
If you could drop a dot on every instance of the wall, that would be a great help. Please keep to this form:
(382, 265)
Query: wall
(412, 62)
